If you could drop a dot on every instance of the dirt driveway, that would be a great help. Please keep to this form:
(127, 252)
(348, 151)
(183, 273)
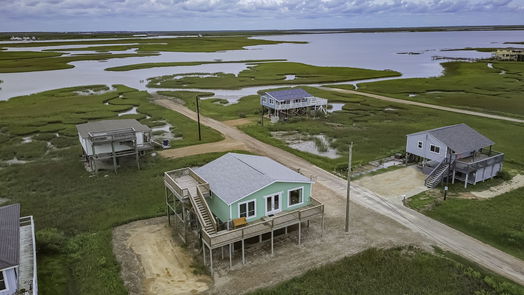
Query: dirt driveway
(152, 263)
(225, 145)
(396, 184)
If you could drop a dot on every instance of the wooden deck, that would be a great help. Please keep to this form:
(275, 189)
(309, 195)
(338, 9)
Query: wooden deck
(27, 268)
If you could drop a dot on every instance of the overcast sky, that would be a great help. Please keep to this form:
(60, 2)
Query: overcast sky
(173, 15)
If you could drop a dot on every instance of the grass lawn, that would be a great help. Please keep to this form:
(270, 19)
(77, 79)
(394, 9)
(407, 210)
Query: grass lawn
(472, 86)
(29, 61)
(397, 271)
(270, 73)
(377, 128)
(497, 221)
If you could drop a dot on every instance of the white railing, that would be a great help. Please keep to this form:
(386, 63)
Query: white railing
(28, 221)
(311, 101)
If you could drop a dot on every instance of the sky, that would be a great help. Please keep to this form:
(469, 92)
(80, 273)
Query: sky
(179, 15)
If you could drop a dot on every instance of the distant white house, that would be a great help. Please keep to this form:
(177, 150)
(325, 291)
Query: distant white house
(112, 139)
(17, 253)
(457, 152)
(284, 103)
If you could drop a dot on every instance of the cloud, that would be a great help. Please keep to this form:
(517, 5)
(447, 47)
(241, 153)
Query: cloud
(265, 12)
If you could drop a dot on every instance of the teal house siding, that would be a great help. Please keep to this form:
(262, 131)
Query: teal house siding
(280, 188)
(219, 208)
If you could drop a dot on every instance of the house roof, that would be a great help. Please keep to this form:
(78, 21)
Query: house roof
(9, 236)
(110, 125)
(289, 94)
(460, 138)
(235, 176)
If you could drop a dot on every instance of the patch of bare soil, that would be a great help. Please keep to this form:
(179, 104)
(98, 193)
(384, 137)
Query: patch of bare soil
(225, 145)
(394, 185)
(152, 263)
(238, 122)
(513, 184)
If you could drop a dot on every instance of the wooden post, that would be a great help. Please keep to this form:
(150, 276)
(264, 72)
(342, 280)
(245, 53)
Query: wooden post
(137, 157)
(211, 260)
(467, 176)
(243, 252)
(348, 191)
(260, 238)
(453, 178)
(230, 257)
(299, 227)
(113, 155)
(204, 251)
(167, 207)
(198, 118)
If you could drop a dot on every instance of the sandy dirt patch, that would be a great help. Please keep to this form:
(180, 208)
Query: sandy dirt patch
(393, 185)
(152, 263)
(515, 183)
(238, 122)
(225, 145)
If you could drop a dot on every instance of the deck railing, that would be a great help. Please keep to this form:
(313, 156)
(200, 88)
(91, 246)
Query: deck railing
(314, 101)
(480, 163)
(170, 182)
(28, 221)
(265, 225)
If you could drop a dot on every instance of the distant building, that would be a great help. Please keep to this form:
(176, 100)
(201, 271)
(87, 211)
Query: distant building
(112, 139)
(17, 253)
(510, 54)
(286, 103)
(457, 152)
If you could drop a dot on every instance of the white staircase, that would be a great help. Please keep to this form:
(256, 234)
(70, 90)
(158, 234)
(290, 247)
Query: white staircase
(436, 176)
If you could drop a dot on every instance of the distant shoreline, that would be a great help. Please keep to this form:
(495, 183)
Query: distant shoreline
(126, 34)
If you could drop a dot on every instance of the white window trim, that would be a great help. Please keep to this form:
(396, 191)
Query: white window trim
(247, 209)
(288, 198)
(6, 283)
(434, 151)
(279, 203)
(420, 144)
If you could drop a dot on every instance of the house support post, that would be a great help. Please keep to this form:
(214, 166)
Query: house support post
(272, 224)
(453, 177)
(113, 155)
(299, 226)
(466, 181)
(211, 260)
(260, 238)
(167, 206)
(222, 251)
(137, 158)
(230, 256)
(243, 251)
(204, 251)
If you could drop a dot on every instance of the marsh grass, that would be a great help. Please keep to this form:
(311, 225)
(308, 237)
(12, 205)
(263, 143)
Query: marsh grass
(270, 73)
(472, 86)
(497, 221)
(403, 270)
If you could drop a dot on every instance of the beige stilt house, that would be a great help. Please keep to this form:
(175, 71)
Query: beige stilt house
(235, 198)
(108, 140)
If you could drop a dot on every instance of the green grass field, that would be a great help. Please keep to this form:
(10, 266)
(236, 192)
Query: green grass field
(472, 86)
(497, 221)
(396, 271)
(270, 73)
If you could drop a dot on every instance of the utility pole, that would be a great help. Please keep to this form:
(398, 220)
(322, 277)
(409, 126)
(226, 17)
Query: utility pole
(198, 118)
(262, 117)
(349, 187)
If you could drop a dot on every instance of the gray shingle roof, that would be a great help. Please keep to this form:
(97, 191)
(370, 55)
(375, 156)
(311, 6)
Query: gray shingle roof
(460, 138)
(109, 125)
(235, 176)
(284, 95)
(9, 236)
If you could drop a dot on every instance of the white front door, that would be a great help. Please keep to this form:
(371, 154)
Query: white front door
(272, 204)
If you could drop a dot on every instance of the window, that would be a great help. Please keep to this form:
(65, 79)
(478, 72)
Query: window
(295, 197)
(435, 149)
(420, 144)
(3, 285)
(247, 209)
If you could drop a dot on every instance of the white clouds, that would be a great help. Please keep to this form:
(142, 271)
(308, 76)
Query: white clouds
(248, 9)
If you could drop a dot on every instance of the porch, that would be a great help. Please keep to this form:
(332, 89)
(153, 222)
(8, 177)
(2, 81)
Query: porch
(28, 284)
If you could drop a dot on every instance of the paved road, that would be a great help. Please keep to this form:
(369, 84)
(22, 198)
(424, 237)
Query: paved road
(421, 104)
(443, 235)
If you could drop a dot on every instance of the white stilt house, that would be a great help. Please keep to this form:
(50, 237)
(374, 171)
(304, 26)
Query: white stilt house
(285, 103)
(112, 139)
(17, 253)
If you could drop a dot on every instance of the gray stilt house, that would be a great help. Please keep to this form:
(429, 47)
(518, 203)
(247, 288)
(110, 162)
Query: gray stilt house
(108, 140)
(17, 253)
(287, 103)
(238, 198)
(457, 152)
